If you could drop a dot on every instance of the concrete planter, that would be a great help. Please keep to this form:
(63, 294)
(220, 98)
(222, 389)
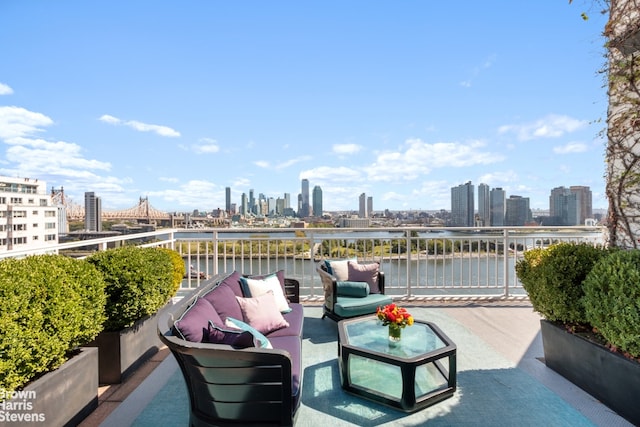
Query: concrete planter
(122, 352)
(63, 397)
(607, 376)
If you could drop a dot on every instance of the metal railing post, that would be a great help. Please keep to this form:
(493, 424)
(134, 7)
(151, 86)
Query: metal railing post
(408, 243)
(505, 264)
(215, 252)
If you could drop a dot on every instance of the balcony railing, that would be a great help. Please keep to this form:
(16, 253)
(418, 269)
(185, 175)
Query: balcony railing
(417, 262)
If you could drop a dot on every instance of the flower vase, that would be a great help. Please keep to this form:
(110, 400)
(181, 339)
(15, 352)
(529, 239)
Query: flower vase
(395, 334)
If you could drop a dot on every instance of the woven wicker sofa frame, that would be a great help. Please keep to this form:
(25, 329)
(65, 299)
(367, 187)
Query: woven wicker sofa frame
(256, 383)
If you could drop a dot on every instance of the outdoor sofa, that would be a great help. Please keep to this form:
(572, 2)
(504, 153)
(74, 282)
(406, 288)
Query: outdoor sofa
(240, 354)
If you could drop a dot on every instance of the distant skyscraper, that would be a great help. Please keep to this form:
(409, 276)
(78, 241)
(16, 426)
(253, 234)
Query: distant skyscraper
(317, 201)
(517, 211)
(484, 205)
(462, 206)
(227, 193)
(244, 205)
(92, 212)
(252, 202)
(362, 203)
(370, 206)
(304, 207)
(584, 202)
(497, 196)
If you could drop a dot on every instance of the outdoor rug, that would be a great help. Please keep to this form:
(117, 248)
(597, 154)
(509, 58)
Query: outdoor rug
(491, 391)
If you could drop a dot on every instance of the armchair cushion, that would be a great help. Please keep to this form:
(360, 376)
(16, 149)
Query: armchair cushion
(353, 289)
(351, 307)
(338, 268)
(364, 273)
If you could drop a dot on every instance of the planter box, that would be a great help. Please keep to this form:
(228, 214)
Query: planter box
(63, 397)
(607, 376)
(122, 352)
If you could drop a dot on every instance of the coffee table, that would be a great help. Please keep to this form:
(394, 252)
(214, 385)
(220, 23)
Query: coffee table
(419, 372)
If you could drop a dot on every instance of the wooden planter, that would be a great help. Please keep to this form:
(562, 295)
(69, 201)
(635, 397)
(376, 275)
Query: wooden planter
(122, 352)
(607, 376)
(63, 397)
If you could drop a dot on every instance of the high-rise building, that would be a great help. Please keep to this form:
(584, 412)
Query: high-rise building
(244, 204)
(362, 206)
(92, 212)
(497, 207)
(484, 206)
(462, 206)
(28, 220)
(584, 202)
(370, 206)
(227, 205)
(563, 207)
(304, 205)
(517, 211)
(317, 201)
(252, 202)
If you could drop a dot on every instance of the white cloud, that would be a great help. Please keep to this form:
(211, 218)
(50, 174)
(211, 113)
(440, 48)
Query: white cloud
(262, 164)
(570, 148)
(140, 126)
(419, 158)
(192, 193)
(37, 157)
(477, 70)
(5, 89)
(16, 122)
(332, 174)
(206, 145)
(498, 179)
(551, 126)
(343, 149)
(168, 179)
(282, 165)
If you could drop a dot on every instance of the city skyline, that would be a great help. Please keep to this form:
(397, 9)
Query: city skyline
(178, 102)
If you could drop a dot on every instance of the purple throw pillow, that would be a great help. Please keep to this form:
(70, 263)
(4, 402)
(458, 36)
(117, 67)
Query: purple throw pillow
(223, 299)
(364, 273)
(262, 313)
(193, 325)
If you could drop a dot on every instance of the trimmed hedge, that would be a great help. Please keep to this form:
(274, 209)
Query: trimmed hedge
(179, 269)
(139, 283)
(612, 300)
(51, 304)
(553, 279)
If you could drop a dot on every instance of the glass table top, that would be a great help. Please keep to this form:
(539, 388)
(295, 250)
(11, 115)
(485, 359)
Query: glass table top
(369, 334)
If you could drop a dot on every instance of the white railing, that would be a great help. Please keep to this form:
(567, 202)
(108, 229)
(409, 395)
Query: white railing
(441, 262)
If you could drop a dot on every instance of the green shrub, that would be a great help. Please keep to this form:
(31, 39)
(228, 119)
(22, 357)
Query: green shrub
(51, 304)
(179, 269)
(139, 282)
(553, 279)
(612, 299)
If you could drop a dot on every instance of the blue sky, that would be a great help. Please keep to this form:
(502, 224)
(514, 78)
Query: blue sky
(176, 100)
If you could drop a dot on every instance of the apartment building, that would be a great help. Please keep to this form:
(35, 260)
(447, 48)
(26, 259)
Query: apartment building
(27, 218)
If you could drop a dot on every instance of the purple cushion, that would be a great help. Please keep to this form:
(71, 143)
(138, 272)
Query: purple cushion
(233, 281)
(262, 313)
(193, 325)
(295, 319)
(223, 299)
(294, 346)
(364, 273)
(237, 338)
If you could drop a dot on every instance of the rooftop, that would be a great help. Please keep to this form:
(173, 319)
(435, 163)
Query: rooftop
(502, 378)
